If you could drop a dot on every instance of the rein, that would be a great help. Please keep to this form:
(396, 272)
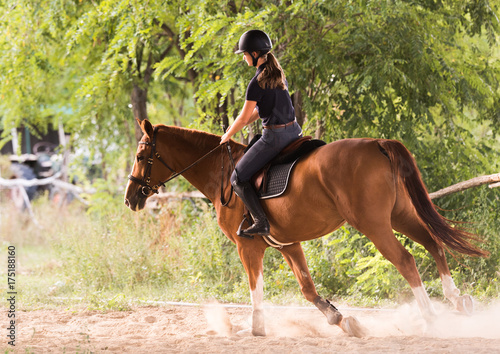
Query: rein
(225, 203)
(146, 180)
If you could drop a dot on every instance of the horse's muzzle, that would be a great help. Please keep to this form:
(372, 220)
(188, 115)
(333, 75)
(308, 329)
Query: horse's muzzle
(135, 205)
(134, 197)
(129, 205)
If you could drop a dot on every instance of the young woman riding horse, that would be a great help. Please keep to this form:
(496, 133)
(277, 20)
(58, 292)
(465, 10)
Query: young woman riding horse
(267, 98)
(372, 184)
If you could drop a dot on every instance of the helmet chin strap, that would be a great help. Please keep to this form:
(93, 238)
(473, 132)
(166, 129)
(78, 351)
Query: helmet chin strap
(256, 59)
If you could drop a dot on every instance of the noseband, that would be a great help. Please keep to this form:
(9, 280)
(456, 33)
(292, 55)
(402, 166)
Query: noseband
(146, 180)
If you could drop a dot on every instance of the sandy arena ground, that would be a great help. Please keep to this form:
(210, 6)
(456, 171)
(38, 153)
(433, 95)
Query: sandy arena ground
(213, 329)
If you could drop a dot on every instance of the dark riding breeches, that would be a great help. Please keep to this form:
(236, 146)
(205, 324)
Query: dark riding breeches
(264, 150)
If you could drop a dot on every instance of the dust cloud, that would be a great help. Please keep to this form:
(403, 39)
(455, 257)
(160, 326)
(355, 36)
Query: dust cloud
(284, 321)
(218, 321)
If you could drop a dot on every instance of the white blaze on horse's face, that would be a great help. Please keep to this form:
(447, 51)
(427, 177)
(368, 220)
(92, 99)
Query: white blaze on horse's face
(129, 199)
(134, 198)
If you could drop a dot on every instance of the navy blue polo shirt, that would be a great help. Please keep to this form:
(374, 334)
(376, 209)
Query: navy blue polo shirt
(274, 105)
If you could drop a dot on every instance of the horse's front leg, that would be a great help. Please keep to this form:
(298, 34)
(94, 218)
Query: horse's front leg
(294, 256)
(251, 255)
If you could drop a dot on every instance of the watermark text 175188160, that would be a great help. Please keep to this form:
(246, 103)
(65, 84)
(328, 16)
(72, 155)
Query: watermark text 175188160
(11, 295)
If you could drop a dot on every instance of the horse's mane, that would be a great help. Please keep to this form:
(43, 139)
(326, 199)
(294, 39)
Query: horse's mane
(196, 137)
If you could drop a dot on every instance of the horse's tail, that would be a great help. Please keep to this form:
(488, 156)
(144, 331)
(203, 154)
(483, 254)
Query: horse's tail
(406, 171)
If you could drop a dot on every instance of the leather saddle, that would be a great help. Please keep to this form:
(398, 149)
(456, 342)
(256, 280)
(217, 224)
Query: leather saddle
(276, 173)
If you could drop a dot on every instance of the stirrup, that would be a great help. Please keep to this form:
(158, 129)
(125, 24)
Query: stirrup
(240, 232)
(247, 233)
(252, 231)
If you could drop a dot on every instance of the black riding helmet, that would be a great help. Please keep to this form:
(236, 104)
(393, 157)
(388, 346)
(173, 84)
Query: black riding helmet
(254, 41)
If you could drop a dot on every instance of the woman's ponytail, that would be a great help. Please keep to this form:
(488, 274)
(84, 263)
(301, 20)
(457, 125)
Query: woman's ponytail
(272, 76)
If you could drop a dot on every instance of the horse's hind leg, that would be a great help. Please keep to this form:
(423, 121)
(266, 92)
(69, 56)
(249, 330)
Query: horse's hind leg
(294, 256)
(379, 231)
(409, 225)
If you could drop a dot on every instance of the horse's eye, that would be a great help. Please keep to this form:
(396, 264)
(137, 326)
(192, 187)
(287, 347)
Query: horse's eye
(140, 158)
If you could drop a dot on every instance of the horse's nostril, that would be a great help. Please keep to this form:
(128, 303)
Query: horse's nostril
(127, 202)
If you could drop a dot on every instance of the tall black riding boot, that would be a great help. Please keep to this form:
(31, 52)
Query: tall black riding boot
(247, 194)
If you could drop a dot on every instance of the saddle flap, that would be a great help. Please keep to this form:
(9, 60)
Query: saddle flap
(258, 178)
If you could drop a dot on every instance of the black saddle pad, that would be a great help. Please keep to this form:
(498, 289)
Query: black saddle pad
(277, 180)
(280, 170)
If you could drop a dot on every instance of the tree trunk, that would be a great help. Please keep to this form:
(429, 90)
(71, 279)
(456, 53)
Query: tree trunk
(222, 113)
(297, 105)
(139, 99)
(320, 129)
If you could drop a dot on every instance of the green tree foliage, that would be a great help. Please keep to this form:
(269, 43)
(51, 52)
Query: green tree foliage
(380, 68)
(31, 66)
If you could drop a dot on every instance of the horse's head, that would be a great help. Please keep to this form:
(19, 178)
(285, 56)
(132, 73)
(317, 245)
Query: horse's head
(146, 177)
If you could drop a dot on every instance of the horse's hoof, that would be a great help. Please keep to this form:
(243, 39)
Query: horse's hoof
(259, 332)
(465, 305)
(353, 327)
(258, 327)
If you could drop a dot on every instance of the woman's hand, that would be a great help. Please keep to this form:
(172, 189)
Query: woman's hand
(247, 115)
(225, 138)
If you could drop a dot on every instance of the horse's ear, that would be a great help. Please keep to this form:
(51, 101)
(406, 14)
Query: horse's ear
(146, 127)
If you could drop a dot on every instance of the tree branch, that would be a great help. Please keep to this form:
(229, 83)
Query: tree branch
(471, 183)
(174, 36)
(191, 73)
(163, 55)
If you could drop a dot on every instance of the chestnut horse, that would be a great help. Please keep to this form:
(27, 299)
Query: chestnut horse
(372, 184)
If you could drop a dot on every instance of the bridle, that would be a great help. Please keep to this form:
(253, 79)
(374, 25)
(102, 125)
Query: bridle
(146, 180)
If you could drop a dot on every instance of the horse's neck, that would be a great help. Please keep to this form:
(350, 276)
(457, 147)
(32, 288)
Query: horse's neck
(187, 146)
